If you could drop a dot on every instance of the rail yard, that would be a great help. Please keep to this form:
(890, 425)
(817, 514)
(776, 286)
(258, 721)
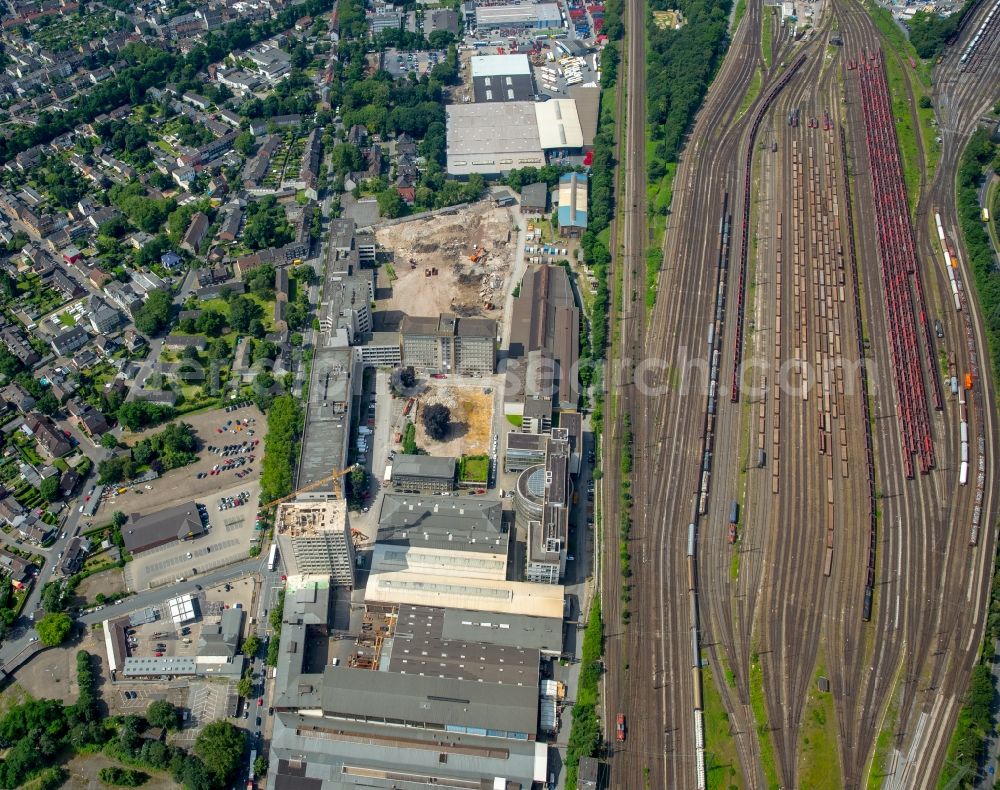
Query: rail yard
(812, 405)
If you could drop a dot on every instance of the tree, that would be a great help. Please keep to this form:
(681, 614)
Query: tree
(357, 487)
(437, 419)
(266, 225)
(52, 597)
(218, 349)
(154, 315)
(109, 441)
(346, 158)
(260, 765)
(211, 323)
(49, 489)
(118, 519)
(243, 312)
(390, 204)
(54, 628)
(260, 281)
(47, 404)
(402, 379)
(244, 143)
(161, 713)
(244, 687)
(220, 746)
(440, 39)
(251, 646)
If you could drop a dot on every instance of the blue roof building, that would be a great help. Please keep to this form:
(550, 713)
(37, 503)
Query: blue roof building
(170, 259)
(572, 204)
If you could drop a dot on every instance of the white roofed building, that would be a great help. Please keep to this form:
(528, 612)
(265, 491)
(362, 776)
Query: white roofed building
(558, 124)
(500, 66)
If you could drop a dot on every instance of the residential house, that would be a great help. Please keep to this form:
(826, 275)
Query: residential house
(170, 260)
(68, 482)
(74, 556)
(212, 275)
(17, 568)
(17, 395)
(195, 233)
(34, 530)
(84, 359)
(231, 224)
(123, 296)
(163, 397)
(46, 434)
(201, 102)
(71, 340)
(103, 317)
(64, 284)
(179, 342)
(184, 176)
(98, 277)
(16, 342)
(105, 345)
(133, 340)
(10, 509)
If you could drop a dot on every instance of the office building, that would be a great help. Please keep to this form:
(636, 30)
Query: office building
(423, 474)
(314, 538)
(449, 344)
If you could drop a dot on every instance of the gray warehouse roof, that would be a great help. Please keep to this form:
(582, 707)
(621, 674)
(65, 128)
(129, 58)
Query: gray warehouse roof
(173, 523)
(424, 466)
(418, 647)
(314, 754)
(493, 127)
(352, 692)
(455, 523)
(513, 630)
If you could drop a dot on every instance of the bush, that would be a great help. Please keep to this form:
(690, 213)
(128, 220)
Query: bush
(410, 440)
(122, 777)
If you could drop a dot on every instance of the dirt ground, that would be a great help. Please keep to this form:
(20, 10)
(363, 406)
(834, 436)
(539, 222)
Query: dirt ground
(14, 694)
(83, 774)
(179, 484)
(471, 420)
(446, 242)
(52, 673)
(108, 582)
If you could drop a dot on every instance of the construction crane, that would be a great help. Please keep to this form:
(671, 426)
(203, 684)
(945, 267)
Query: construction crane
(358, 536)
(334, 475)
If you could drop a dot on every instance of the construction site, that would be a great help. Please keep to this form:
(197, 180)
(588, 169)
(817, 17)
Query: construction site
(454, 263)
(471, 418)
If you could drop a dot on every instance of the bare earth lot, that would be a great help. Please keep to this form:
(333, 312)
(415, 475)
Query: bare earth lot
(446, 242)
(471, 418)
(109, 582)
(83, 771)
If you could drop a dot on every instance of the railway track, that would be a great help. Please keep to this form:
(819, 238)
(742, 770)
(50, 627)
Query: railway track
(817, 584)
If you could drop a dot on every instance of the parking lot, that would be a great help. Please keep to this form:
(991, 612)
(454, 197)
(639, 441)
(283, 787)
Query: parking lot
(231, 533)
(399, 63)
(217, 428)
(207, 701)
